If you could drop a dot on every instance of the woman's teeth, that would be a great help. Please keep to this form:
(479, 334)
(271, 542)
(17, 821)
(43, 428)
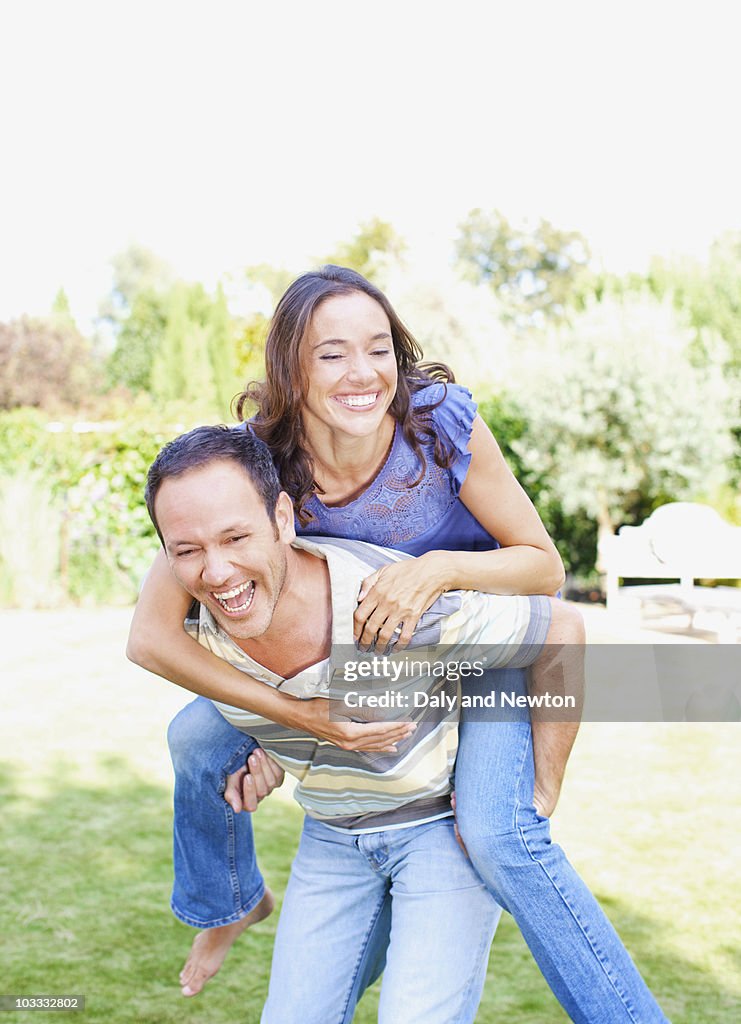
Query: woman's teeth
(357, 401)
(229, 596)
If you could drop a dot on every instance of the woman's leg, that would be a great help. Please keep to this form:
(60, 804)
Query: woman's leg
(217, 880)
(575, 946)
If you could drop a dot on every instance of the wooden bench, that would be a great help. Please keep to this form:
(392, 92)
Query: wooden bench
(681, 541)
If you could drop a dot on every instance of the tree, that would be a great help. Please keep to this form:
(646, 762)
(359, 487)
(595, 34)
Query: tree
(455, 323)
(130, 363)
(372, 250)
(710, 293)
(44, 363)
(619, 414)
(136, 270)
(182, 368)
(537, 274)
(135, 311)
(222, 350)
(274, 280)
(195, 355)
(250, 345)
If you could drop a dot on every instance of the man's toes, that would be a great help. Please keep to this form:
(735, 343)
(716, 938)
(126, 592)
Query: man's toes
(196, 983)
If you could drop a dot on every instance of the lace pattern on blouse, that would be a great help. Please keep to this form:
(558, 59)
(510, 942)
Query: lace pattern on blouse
(390, 510)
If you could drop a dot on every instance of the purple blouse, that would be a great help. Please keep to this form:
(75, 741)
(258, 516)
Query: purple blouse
(428, 516)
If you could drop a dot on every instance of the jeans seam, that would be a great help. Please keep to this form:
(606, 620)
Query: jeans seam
(601, 960)
(358, 962)
(518, 828)
(249, 745)
(246, 908)
(520, 831)
(472, 976)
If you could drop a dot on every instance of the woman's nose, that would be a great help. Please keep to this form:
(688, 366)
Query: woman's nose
(361, 370)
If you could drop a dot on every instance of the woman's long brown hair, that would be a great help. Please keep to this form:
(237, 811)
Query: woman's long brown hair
(279, 398)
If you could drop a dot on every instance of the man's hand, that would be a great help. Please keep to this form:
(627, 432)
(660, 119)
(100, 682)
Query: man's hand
(246, 787)
(312, 716)
(458, 838)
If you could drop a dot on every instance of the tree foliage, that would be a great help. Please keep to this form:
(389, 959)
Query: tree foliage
(130, 363)
(619, 414)
(173, 339)
(710, 293)
(372, 250)
(537, 273)
(44, 363)
(136, 271)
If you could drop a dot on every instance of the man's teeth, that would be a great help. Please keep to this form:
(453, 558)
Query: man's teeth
(228, 595)
(357, 400)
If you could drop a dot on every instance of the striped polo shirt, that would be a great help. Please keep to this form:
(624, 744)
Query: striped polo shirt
(364, 792)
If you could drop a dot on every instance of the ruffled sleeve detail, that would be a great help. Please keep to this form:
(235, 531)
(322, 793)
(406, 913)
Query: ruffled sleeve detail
(453, 420)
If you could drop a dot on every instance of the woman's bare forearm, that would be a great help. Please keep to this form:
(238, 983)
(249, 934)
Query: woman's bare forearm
(520, 569)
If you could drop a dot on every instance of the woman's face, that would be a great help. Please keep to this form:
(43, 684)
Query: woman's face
(349, 365)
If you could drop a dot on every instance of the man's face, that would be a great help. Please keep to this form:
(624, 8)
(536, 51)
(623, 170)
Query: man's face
(222, 547)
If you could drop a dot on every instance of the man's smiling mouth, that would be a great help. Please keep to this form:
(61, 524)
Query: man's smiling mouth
(238, 599)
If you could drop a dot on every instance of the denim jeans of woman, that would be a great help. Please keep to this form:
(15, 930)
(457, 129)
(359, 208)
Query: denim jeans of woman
(217, 880)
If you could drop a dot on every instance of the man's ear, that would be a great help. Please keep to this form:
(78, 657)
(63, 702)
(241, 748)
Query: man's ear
(284, 526)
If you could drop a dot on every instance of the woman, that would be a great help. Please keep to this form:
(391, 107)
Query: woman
(370, 446)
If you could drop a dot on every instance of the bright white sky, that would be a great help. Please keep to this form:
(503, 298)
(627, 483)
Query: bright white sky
(226, 133)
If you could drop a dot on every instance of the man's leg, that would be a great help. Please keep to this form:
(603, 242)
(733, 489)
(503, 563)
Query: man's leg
(575, 946)
(442, 924)
(218, 885)
(332, 934)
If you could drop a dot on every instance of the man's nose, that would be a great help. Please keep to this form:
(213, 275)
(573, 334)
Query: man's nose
(216, 569)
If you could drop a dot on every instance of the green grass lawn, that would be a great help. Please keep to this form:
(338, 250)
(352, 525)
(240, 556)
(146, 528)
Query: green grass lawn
(649, 816)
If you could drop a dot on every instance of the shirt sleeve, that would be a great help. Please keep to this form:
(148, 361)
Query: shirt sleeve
(453, 421)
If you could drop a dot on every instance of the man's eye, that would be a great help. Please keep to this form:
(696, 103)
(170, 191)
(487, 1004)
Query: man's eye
(185, 552)
(242, 536)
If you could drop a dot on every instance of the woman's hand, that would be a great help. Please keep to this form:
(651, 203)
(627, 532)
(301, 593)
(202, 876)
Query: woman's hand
(313, 716)
(246, 787)
(395, 596)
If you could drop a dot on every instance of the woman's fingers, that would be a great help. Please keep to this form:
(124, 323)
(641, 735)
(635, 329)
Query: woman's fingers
(233, 789)
(367, 584)
(260, 778)
(372, 736)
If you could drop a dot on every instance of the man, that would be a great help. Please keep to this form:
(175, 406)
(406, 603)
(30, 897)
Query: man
(378, 881)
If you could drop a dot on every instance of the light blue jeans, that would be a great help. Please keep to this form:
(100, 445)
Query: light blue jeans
(578, 951)
(406, 900)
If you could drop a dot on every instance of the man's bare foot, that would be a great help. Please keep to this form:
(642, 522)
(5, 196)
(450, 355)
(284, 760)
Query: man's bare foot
(211, 946)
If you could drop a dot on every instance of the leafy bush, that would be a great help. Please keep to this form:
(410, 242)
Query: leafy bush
(88, 478)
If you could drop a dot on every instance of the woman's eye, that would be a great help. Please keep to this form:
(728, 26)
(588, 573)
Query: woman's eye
(381, 352)
(331, 356)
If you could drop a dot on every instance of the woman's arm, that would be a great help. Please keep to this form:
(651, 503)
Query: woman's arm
(526, 563)
(158, 642)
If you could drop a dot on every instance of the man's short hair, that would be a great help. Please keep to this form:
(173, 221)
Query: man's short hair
(203, 445)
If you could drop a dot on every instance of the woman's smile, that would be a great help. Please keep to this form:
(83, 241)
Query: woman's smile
(350, 366)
